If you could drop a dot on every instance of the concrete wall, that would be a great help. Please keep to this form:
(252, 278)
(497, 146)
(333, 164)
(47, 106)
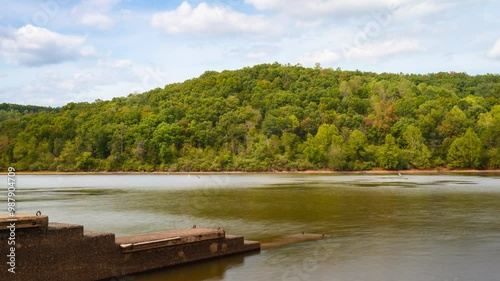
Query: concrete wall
(66, 252)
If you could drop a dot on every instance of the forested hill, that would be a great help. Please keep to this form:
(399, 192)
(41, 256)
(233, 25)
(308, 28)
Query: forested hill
(269, 117)
(12, 111)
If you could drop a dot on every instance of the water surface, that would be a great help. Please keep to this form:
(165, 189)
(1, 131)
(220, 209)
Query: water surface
(378, 227)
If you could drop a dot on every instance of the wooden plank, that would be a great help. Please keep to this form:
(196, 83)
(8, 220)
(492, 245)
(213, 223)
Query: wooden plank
(23, 221)
(146, 245)
(149, 241)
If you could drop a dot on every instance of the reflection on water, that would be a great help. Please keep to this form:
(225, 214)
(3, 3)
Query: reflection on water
(410, 227)
(198, 271)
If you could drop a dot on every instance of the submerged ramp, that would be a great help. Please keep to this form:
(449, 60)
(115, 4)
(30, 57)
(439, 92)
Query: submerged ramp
(54, 251)
(292, 239)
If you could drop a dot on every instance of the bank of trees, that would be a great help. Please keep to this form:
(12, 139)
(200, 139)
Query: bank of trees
(268, 117)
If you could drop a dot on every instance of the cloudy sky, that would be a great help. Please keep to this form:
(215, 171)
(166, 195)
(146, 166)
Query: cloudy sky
(56, 51)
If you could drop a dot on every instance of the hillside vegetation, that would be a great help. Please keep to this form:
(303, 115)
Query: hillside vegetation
(264, 118)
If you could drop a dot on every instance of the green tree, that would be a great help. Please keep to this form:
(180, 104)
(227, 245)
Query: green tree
(466, 151)
(67, 159)
(454, 124)
(358, 153)
(494, 158)
(263, 118)
(390, 155)
(317, 148)
(416, 152)
(85, 162)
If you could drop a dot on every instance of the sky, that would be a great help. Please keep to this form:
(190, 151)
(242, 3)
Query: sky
(57, 51)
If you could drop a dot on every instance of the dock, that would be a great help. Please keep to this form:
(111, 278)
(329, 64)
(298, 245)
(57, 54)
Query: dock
(40, 250)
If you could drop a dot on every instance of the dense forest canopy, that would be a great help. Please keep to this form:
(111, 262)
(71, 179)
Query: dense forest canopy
(12, 111)
(265, 118)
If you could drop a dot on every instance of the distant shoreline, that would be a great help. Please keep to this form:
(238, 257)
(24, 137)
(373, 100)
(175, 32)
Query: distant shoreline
(323, 172)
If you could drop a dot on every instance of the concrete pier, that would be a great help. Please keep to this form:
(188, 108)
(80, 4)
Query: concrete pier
(40, 250)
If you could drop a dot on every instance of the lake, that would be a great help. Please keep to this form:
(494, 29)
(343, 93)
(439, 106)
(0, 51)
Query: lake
(377, 227)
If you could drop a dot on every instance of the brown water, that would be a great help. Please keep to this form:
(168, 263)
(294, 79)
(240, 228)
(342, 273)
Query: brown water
(415, 227)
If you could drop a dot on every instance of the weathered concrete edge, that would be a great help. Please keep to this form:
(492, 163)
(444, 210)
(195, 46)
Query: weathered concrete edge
(77, 254)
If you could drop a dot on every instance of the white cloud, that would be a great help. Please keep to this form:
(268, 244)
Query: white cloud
(421, 9)
(98, 5)
(110, 77)
(343, 8)
(98, 20)
(35, 46)
(95, 13)
(253, 53)
(324, 56)
(206, 19)
(381, 49)
(309, 24)
(425, 8)
(114, 63)
(416, 37)
(257, 55)
(265, 4)
(323, 7)
(495, 50)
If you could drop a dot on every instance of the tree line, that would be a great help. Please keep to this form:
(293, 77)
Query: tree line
(264, 118)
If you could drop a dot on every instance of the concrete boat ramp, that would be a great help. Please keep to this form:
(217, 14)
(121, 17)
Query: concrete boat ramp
(31, 248)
